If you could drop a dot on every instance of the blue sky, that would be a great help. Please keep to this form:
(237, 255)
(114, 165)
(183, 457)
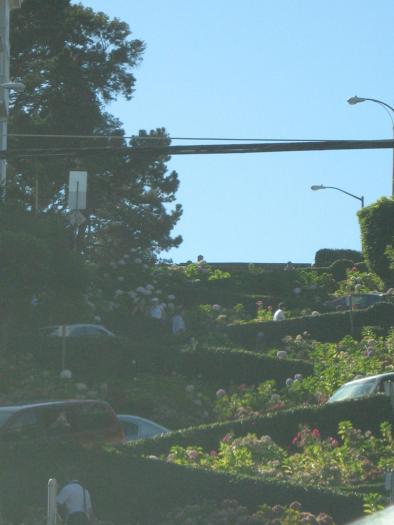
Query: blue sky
(263, 69)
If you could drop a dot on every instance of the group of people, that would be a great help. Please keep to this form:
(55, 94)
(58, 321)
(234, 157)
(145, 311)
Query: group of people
(159, 315)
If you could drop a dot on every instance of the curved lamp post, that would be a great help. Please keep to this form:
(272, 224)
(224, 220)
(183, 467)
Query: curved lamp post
(389, 110)
(321, 187)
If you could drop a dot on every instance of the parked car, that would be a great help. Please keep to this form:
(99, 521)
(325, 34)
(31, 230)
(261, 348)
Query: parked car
(136, 427)
(364, 300)
(82, 421)
(366, 386)
(77, 330)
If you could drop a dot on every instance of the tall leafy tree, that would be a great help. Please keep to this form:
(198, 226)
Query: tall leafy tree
(73, 62)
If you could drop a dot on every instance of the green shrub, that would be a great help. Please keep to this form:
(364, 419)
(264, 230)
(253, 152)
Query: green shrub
(221, 366)
(339, 268)
(366, 414)
(128, 489)
(326, 327)
(325, 257)
(377, 232)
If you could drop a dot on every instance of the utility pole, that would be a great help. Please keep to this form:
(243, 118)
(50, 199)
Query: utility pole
(6, 7)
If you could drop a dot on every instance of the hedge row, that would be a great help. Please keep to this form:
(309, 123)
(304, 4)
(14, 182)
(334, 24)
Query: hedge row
(127, 489)
(327, 256)
(327, 327)
(217, 366)
(366, 414)
(221, 366)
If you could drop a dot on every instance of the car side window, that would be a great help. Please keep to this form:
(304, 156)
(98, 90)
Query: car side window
(131, 430)
(92, 416)
(94, 331)
(77, 331)
(23, 425)
(147, 429)
(57, 421)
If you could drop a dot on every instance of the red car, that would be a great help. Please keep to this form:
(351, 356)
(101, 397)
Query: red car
(82, 421)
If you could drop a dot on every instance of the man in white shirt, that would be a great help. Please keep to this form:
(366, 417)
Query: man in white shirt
(157, 309)
(178, 325)
(75, 502)
(279, 315)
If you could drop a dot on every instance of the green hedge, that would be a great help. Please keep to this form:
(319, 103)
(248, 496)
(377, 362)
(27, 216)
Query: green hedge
(223, 365)
(327, 256)
(128, 489)
(101, 358)
(366, 414)
(327, 327)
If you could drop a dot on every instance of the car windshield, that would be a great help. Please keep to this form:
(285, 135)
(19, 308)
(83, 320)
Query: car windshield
(5, 415)
(355, 390)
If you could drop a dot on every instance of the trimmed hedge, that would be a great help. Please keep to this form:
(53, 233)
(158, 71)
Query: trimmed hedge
(377, 227)
(327, 327)
(114, 356)
(223, 365)
(327, 256)
(366, 414)
(127, 489)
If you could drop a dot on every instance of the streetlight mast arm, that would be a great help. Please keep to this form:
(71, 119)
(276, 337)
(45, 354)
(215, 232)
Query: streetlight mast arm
(344, 191)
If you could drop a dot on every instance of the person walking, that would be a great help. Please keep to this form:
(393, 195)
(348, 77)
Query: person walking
(75, 504)
(178, 325)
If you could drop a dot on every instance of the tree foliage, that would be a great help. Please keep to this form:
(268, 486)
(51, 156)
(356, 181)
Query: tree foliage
(377, 232)
(74, 61)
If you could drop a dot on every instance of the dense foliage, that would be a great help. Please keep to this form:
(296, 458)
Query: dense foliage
(377, 230)
(352, 458)
(326, 256)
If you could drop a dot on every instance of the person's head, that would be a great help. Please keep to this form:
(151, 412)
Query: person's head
(200, 257)
(281, 306)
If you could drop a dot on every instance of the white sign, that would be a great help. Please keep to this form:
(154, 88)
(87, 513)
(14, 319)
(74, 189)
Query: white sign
(77, 187)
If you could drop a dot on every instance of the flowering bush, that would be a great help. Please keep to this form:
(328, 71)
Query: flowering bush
(359, 282)
(352, 458)
(231, 512)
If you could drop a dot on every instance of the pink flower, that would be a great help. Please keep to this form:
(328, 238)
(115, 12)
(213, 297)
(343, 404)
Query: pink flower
(242, 387)
(227, 438)
(315, 433)
(213, 454)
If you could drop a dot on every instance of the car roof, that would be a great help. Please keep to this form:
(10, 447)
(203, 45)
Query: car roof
(39, 404)
(367, 378)
(75, 325)
(139, 419)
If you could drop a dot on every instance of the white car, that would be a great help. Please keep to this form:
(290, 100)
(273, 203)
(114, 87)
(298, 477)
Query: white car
(135, 427)
(77, 330)
(366, 386)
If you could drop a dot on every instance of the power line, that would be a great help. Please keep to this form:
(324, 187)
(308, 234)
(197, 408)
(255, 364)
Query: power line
(200, 149)
(147, 138)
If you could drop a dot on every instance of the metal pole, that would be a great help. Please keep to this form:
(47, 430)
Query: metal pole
(351, 314)
(51, 510)
(63, 329)
(392, 190)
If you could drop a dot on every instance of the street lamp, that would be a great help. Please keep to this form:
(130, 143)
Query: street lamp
(389, 110)
(321, 187)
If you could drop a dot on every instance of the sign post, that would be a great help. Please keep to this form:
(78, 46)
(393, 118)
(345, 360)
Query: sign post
(77, 187)
(52, 511)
